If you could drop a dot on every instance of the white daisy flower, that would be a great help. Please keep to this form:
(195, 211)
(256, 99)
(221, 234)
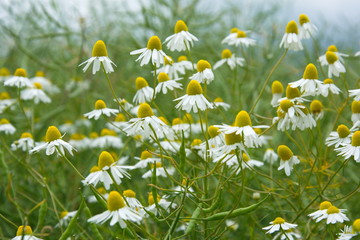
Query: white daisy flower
(329, 86)
(232, 225)
(25, 143)
(6, 101)
(45, 83)
(183, 64)
(19, 79)
(53, 142)
(4, 74)
(227, 153)
(204, 73)
(246, 162)
(355, 111)
(182, 40)
(99, 57)
(307, 29)
(219, 102)
(216, 139)
(239, 39)
(145, 159)
(340, 137)
(321, 213)
(179, 127)
(355, 93)
(25, 233)
(332, 48)
(100, 109)
(79, 141)
(131, 199)
(35, 93)
(107, 139)
(291, 39)
(117, 211)
(103, 193)
(165, 83)
(351, 149)
(118, 124)
(160, 171)
(309, 84)
(232, 35)
(316, 109)
(270, 156)
(171, 68)
(65, 218)
(125, 104)
(335, 66)
(279, 224)
(230, 59)
(152, 52)
(144, 93)
(350, 231)
(68, 127)
(6, 127)
(277, 90)
(334, 215)
(287, 235)
(287, 159)
(162, 202)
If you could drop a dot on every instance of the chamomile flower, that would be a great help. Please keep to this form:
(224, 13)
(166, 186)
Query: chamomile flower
(45, 83)
(25, 233)
(165, 83)
(6, 127)
(231, 37)
(103, 193)
(340, 137)
(351, 149)
(279, 224)
(4, 74)
(270, 156)
(171, 68)
(118, 124)
(160, 171)
(350, 231)
(193, 100)
(332, 48)
(204, 73)
(19, 79)
(6, 101)
(219, 102)
(100, 173)
(217, 138)
(321, 213)
(184, 64)
(125, 104)
(144, 93)
(99, 58)
(117, 211)
(277, 90)
(107, 139)
(291, 39)
(309, 84)
(65, 218)
(230, 59)
(334, 215)
(25, 143)
(100, 109)
(316, 109)
(227, 153)
(355, 111)
(307, 28)
(179, 127)
(54, 142)
(240, 39)
(335, 66)
(329, 86)
(287, 235)
(35, 93)
(246, 162)
(162, 202)
(152, 52)
(79, 141)
(130, 197)
(287, 159)
(182, 39)
(145, 159)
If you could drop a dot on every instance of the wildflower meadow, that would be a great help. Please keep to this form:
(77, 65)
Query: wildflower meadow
(174, 122)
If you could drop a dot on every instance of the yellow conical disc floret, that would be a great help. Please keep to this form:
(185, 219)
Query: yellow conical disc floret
(356, 225)
(100, 104)
(292, 93)
(99, 49)
(38, 85)
(180, 26)
(245, 157)
(129, 193)
(163, 77)
(20, 72)
(24, 231)
(303, 19)
(115, 201)
(145, 155)
(151, 198)
(140, 83)
(284, 152)
(26, 135)
(332, 48)
(193, 88)
(107, 132)
(145, 111)
(218, 99)
(226, 53)
(182, 58)
(213, 131)
(120, 118)
(4, 121)
(310, 72)
(331, 57)
(101, 190)
(325, 205)
(63, 214)
(277, 87)
(4, 95)
(52, 134)
(93, 135)
(355, 107)
(176, 121)
(328, 81)
(168, 60)
(332, 210)
(164, 120)
(234, 30)
(105, 159)
(202, 65)
(95, 169)
(232, 138)
(278, 220)
(291, 27)
(355, 139)
(154, 43)
(241, 34)
(187, 118)
(4, 72)
(316, 106)
(343, 131)
(242, 119)
(196, 142)
(39, 74)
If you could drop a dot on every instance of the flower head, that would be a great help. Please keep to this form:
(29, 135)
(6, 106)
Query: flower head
(182, 39)
(291, 39)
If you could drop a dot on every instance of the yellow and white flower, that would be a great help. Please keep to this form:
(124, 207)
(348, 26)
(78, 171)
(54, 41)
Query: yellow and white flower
(182, 39)
(6, 127)
(145, 159)
(35, 93)
(25, 143)
(334, 215)
(100, 109)
(270, 156)
(332, 48)
(287, 159)
(351, 149)
(291, 39)
(46, 83)
(107, 139)
(160, 171)
(277, 90)
(329, 86)
(65, 218)
(335, 66)
(19, 79)
(219, 102)
(321, 213)
(204, 73)
(165, 83)
(239, 38)
(25, 233)
(144, 93)
(230, 59)
(162, 202)
(340, 137)
(310, 83)
(279, 224)
(307, 28)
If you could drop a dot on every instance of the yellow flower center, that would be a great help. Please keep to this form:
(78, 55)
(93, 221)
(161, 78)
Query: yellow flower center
(226, 53)
(93, 135)
(94, 169)
(194, 88)
(180, 26)
(99, 49)
(145, 155)
(213, 131)
(303, 19)
(316, 106)
(63, 214)
(38, 85)
(145, 111)
(325, 205)
(291, 27)
(4, 72)
(355, 107)
(187, 118)
(292, 93)
(328, 81)
(242, 119)
(115, 201)
(258, 130)
(202, 65)
(120, 118)
(332, 48)
(182, 58)
(234, 30)
(107, 132)
(77, 136)
(39, 74)
(164, 120)
(157, 165)
(277, 87)
(332, 210)
(129, 193)
(176, 121)
(140, 83)
(4, 95)
(196, 142)
(218, 99)
(52, 134)
(154, 43)
(278, 220)
(241, 34)
(163, 77)
(101, 190)
(100, 104)
(343, 131)
(331, 57)
(232, 138)
(4, 121)
(105, 159)
(151, 199)
(355, 140)
(20, 72)
(245, 157)
(284, 152)
(356, 225)
(310, 72)
(26, 135)
(26, 231)
(167, 61)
